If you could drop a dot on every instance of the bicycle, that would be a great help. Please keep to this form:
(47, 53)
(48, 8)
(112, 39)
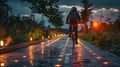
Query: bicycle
(74, 35)
(74, 41)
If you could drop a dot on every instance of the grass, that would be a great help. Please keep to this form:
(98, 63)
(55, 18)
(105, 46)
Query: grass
(105, 41)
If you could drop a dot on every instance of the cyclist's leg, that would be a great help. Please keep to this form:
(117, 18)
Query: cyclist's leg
(76, 33)
(70, 30)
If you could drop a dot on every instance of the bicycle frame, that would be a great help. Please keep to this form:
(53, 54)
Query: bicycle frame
(73, 36)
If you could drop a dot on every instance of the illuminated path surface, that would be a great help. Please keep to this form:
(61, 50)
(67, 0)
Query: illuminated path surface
(58, 53)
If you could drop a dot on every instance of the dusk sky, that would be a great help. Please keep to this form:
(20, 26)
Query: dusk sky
(109, 8)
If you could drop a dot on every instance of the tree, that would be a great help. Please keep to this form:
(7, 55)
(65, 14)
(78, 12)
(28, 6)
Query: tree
(3, 18)
(55, 17)
(42, 6)
(57, 20)
(85, 13)
(117, 25)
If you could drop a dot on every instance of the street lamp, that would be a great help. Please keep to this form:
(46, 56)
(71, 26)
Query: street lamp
(2, 64)
(1, 43)
(94, 24)
(31, 39)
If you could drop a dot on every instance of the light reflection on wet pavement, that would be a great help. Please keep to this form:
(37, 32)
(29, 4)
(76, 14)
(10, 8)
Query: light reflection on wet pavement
(44, 54)
(58, 53)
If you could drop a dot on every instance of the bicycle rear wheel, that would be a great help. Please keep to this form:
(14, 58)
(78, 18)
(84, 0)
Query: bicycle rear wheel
(73, 41)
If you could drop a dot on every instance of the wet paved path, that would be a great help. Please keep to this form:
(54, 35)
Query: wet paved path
(58, 53)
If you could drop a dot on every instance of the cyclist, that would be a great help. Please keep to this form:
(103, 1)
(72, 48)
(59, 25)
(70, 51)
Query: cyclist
(73, 19)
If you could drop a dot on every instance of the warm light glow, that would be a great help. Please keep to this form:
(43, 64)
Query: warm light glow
(2, 64)
(8, 41)
(42, 37)
(16, 61)
(31, 56)
(42, 49)
(73, 32)
(105, 62)
(57, 65)
(59, 59)
(98, 57)
(24, 56)
(31, 38)
(1, 56)
(95, 23)
(1, 43)
(50, 43)
(78, 24)
(77, 54)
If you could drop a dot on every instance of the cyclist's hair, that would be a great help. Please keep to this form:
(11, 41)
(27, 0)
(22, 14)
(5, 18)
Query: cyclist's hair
(73, 9)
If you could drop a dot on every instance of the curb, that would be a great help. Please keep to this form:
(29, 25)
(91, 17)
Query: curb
(18, 46)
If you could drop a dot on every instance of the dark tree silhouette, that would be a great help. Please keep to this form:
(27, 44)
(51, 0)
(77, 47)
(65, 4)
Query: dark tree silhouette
(55, 17)
(3, 18)
(41, 6)
(85, 13)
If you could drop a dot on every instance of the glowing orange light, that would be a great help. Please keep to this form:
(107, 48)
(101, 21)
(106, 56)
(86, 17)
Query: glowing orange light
(59, 59)
(16, 61)
(2, 64)
(95, 24)
(98, 57)
(78, 24)
(30, 53)
(1, 43)
(73, 32)
(57, 65)
(24, 56)
(31, 38)
(105, 62)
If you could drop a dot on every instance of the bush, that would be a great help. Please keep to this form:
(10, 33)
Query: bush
(105, 41)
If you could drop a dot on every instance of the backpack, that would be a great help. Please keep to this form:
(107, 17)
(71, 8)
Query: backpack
(73, 17)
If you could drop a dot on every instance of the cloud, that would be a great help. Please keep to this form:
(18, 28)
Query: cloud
(105, 10)
(79, 8)
(114, 10)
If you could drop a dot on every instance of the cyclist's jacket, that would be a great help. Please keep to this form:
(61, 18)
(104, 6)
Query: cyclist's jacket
(73, 17)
